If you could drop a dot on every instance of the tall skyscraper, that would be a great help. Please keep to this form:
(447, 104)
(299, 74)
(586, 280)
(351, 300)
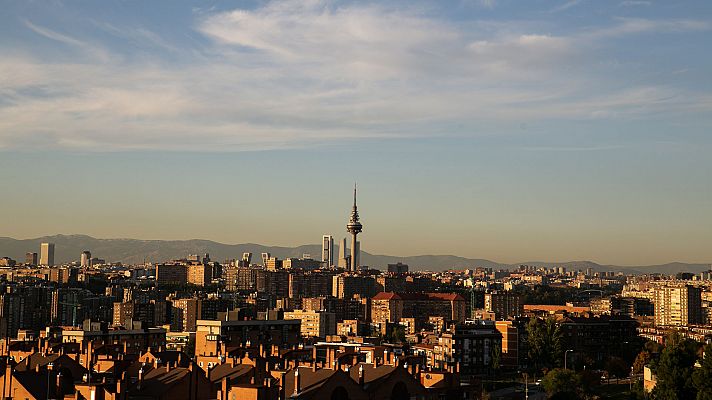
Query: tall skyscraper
(343, 257)
(47, 254)
(86, 259)
(245, 261)
(354, 227)
(265, 257)
(327, 250)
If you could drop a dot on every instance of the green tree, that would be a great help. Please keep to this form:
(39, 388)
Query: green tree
(496, 355)
(702, 377)
(644, 358)
(653, 347)
(562, 384)
(545, 343)
(674, 370)
(397, 334)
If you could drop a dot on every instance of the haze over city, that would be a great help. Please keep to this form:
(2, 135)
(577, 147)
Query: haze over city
(538, 130)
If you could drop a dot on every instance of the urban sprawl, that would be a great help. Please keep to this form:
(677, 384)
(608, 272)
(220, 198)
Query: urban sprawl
(263, 328)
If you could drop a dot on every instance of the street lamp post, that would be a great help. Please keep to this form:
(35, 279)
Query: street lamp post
(565, 354)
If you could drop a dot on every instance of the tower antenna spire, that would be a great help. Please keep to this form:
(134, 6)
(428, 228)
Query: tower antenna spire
(354, 227)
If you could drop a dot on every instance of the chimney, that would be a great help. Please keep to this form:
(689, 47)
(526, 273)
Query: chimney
(60, 392)
(297, 381)
(223, 389)
(120, 384)
(140, 377)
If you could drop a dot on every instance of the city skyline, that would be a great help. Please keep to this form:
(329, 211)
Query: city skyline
(562, 130)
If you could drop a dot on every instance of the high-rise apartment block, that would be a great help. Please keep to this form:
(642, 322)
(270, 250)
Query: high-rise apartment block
(392, 307)
(240, 278)
(504, 305)
(185, 313)
(398, 268)
(273, 263)
(47, 254)
(123, 314)
(314, 323)
(171, 274)
(678, 305)
(265, 257)
(200, 274)
(246, 260)
(346, 286)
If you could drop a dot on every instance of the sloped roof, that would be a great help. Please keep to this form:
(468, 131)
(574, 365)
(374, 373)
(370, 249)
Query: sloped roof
(418, 296)
(229, 371)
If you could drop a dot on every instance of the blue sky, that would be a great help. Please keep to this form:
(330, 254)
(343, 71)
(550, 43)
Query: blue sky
(509, 130)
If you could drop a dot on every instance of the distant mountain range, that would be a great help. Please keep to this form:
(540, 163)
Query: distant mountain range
(69, 247)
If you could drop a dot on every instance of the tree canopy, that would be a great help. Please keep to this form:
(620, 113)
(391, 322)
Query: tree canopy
(545, 343)
(675, 369)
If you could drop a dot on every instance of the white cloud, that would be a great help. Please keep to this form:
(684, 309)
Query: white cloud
(50, 34)
(304, 73)
(566, 6)
(635, 3)
(627, 26)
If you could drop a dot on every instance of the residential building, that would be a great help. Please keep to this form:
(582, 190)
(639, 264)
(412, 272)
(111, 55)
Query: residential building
(678, 305)
(185, 314)
(504, 305)
(314, 323)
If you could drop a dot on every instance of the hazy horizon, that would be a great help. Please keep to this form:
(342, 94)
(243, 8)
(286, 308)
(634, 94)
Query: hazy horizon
(296, 245)
(509, 131)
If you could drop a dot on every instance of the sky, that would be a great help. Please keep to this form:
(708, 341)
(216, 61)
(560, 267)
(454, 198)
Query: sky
(509, 130)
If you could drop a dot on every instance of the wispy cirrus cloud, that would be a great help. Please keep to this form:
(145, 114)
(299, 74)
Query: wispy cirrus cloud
(635, 3)
(293, 73)
(50, 34)
(566, 6)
